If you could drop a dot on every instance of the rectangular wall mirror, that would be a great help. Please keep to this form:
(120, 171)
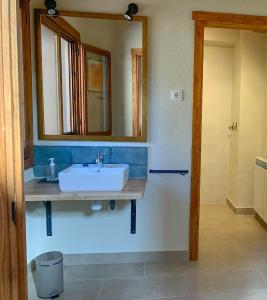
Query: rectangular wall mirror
(91, 76)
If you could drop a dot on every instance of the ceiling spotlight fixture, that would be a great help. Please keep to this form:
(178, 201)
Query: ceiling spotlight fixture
(51, 7)
(132, 10)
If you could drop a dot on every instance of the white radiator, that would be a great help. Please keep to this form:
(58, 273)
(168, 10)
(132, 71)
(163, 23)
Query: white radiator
(260, 188)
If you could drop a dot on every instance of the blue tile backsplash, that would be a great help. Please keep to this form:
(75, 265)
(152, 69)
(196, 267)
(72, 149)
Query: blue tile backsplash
(87, 155)
(135, 157)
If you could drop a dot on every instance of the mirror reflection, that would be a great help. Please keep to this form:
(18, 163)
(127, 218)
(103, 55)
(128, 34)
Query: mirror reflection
(90, 77)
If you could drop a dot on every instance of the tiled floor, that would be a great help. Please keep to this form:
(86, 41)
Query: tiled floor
(232, 266)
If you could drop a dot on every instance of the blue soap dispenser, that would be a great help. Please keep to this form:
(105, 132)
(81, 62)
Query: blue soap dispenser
(52, 170)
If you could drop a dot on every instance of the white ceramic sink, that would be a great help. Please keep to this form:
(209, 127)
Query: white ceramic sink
(79, 178)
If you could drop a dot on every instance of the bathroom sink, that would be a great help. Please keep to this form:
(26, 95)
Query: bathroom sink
(107, 177)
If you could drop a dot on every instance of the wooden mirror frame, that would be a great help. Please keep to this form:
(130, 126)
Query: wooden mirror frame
(41, 134)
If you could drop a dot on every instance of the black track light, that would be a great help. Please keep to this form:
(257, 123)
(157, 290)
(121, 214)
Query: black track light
(132, 10)
(51, 7)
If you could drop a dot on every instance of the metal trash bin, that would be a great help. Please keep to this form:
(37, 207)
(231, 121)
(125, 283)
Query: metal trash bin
(49, 283)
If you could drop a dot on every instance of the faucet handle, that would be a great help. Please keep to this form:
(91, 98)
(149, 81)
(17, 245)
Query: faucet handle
(100, 155)
(100, 158)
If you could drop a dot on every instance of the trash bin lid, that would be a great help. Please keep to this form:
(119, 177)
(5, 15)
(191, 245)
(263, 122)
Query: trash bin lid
(49, 258)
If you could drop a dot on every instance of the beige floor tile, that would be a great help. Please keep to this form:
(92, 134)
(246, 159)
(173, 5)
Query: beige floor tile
(170, 268)
(214, 282)
(32, 291)
(263, 273)
(258, 260)
(257, 295)
(85, 290)
(232, 266)
(148, 287)
(85, 272)
(82, 291)
(203, 297)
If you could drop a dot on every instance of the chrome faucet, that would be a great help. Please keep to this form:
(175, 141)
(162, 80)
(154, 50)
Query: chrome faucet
(100, 159)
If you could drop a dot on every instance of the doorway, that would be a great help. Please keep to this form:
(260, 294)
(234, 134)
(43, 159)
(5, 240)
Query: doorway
(205, 21)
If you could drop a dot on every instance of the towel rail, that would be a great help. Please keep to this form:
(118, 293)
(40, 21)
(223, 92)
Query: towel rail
(179, 172)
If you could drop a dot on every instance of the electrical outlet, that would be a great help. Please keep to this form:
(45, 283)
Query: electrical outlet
(176, 95)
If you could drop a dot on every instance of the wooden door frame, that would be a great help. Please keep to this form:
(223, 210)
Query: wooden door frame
(13, 282)
(107, 54)
(203, 20)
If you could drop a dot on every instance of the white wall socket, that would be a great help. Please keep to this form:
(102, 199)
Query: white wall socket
(176, 95)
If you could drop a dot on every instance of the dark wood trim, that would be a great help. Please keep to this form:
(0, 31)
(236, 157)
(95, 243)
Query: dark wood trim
(27, 74)
(235, 20)
(137, 55)
(39, 72)
(93, 15)
(66, 27)
(202, 20)
(60, 94)
(79, 104)
(93, 138)
(196, 142)
(97, 50)
(144, 79)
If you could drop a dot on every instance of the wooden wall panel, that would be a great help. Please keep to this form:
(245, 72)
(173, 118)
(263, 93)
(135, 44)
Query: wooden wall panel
(13, 284)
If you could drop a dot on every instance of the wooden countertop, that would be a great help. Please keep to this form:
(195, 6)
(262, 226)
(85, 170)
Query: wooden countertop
(35, 191)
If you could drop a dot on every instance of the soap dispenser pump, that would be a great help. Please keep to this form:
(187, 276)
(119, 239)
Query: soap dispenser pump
(52, 170)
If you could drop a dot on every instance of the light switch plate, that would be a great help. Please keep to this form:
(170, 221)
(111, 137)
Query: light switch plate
(176, 95)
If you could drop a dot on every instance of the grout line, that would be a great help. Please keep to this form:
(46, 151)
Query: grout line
(186, 286)
(261, 275)
(100, 289)
(144, 269)
(128, 277)
(111, 278)
(163, 298)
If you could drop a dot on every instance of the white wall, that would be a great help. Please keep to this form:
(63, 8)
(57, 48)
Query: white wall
(128, 36)
(264, 111)
(252, 95)
(248, 93)
(163, 214)
(217, 97)
(220, 37)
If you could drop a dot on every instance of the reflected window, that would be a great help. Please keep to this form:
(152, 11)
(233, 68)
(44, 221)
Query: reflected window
(67, 95)
(50, 79)
(59, 77)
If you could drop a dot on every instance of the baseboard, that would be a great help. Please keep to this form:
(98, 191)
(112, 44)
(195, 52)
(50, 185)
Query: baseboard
(125, 257)
(261, 221)
(212, 203)
(240, 210)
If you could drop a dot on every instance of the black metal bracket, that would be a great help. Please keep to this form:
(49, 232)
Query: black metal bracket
(48, 208)
(179, 172)
(133, 216)
(112, 204)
